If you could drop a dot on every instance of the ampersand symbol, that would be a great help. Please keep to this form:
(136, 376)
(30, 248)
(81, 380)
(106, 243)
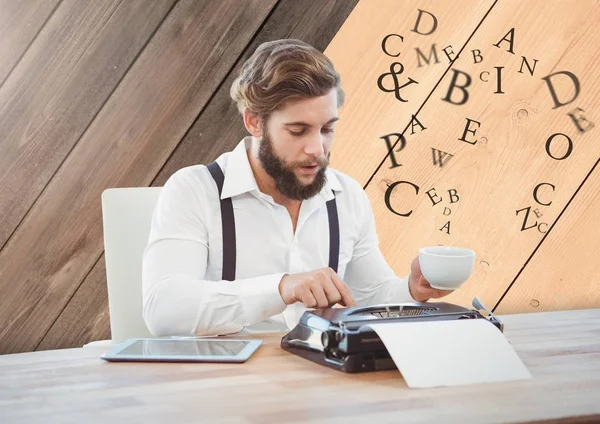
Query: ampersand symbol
(394, 74)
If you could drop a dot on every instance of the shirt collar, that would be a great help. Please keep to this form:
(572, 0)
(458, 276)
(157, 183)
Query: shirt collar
(239, 177)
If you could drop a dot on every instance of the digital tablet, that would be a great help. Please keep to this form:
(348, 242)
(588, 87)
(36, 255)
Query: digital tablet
(183, 350)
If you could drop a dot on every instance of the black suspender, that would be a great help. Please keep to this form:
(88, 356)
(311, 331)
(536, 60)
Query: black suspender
(334, 233)
(227, 224)
(228, 228)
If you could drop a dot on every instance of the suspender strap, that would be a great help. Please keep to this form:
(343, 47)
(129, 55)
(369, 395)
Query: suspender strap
(228, 228)
(334, 234)
(227, 223)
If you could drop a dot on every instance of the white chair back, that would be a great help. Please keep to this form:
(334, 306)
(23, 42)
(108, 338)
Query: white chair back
(126, 216)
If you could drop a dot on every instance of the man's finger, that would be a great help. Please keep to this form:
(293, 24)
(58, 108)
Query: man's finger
(429, 291)
(307, 298)
(319, 296)
(438, 292)
(344, 290)
(332, 293)
(441, 293)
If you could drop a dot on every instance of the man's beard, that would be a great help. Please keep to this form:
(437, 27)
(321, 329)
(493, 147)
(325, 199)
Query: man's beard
(283, 174)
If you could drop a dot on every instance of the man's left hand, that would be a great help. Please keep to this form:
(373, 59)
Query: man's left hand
(419, 287)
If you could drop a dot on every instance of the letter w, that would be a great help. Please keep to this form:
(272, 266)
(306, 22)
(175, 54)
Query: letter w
(441, 158)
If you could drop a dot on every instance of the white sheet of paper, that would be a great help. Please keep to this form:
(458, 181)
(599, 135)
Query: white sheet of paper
(450, 353)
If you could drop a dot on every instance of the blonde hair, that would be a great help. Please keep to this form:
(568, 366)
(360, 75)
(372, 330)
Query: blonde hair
(280, 71)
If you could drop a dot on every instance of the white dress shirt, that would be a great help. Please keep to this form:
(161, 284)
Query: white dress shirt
(183, 293)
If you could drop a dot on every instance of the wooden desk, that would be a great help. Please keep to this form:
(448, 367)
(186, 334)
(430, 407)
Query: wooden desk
(561, 350)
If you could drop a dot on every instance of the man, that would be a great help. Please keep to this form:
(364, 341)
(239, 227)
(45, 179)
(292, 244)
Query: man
(279, 237)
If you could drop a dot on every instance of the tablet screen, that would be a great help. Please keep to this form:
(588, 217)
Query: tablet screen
(168, 348)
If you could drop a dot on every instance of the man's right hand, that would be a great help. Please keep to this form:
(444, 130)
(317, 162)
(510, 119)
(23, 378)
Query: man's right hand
(320, 288)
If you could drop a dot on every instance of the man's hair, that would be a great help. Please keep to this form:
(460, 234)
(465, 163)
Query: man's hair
(280, 71)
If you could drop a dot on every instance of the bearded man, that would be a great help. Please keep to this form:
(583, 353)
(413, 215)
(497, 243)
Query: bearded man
(267, 230)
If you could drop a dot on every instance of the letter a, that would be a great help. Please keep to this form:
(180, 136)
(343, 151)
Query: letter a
(510, 40)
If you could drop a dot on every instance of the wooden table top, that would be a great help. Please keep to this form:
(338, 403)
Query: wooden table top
(560, 349)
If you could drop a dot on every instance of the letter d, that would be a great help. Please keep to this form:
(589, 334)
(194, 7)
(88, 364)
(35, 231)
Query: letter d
(416, 29)
(557, 102)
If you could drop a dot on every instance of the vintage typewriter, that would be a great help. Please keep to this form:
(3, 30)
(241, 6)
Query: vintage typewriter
(339, 338)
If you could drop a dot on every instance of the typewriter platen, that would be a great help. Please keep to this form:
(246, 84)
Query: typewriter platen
(340, 339)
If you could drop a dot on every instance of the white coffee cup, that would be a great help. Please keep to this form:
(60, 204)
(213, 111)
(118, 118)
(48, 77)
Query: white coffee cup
(446, 267)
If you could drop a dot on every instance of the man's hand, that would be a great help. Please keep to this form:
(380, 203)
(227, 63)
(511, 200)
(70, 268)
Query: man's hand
(320, 288)
(419, 287)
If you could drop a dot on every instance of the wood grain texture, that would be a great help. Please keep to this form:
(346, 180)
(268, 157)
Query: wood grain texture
(125, 145)
(220, 127)
(356, 51)
(20, 22)
(57, 89)
(496, 177)
(85, 317)
(560, 349)
(570, 282)
(217, 129)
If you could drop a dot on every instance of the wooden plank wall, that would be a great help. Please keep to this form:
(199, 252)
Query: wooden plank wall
(108, 93)
(105, 94)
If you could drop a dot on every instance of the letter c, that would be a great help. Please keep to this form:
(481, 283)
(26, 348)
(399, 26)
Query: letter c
(535, 193)
(388, 195)
(384, 41)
